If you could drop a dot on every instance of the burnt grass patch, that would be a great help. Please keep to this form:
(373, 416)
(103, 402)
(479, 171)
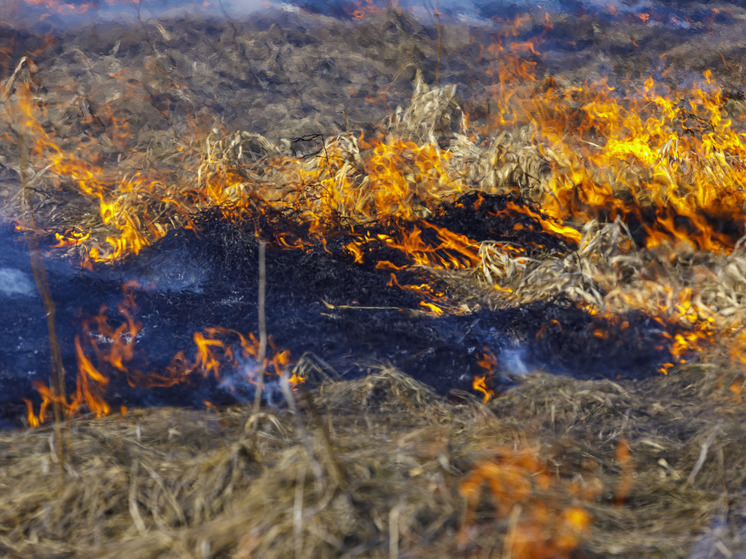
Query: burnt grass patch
(320, 302)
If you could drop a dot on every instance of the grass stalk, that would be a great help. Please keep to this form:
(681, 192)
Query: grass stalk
(262, 324)
(57, 372)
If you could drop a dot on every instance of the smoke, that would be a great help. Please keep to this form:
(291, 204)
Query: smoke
(486, 9)
(514, 362)
(59, 14)
(248, 5)
(237, 8)
(239, 383)
(15, 282)
(51, 15)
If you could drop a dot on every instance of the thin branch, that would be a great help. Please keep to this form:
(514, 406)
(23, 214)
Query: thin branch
(303, 433)
(57, 372)
(262, 324)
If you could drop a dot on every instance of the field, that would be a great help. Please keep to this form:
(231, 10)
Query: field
(387, 285)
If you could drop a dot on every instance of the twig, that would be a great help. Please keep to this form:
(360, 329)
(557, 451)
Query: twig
(302, 431)
(335, 468)
(57, 372)
(262, 324)
(394, 532)
(510, 537)
(298, 513)
(333, 307)
(14, 77)
(704, 449)
(151, 42)
(241, 45)
(132, 499)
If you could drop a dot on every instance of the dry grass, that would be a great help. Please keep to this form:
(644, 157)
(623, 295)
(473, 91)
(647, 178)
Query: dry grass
(654, 465)
(380, 466)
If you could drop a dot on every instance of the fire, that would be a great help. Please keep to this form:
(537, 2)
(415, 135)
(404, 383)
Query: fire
(424, 245)
(432, 308)
(483, 383)
(364, 8)
(389, 178)
(563, 231)
(666, 162)
(230, 357)
(627, 474)
(71, 238)
(31, 418)
(673, 155)
(517, 481)
(69, 8)
(126, 201)
(62, 8)
(223, 353)
(89, 387)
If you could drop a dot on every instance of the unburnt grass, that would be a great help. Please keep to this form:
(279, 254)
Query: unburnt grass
(383, 466)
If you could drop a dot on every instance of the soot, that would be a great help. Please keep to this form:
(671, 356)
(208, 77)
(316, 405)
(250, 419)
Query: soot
(319, 301)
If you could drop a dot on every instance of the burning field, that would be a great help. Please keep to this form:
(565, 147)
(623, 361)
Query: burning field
(353, 279)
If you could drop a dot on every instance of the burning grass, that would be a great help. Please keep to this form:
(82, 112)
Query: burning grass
(545, 215)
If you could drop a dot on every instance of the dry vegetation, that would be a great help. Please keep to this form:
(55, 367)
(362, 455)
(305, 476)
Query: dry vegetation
(385, 468)
(378, 466)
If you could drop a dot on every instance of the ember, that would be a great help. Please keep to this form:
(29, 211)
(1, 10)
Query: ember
(488, 260)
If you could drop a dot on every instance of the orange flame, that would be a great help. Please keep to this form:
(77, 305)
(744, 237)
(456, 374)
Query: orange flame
(31, 418)
(482, 383)
(213, 353)
(674, 151)
(668, 161)
(517, 480)
(364, 8)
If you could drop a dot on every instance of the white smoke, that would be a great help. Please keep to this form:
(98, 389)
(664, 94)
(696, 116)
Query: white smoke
(244, 7)
(15, 282)
(514, 362)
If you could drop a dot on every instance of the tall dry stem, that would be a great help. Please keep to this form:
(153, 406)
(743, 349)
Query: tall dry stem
(262, 323)
(57, 372)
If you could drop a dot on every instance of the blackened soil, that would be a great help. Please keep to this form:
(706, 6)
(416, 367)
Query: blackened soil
(318, 301)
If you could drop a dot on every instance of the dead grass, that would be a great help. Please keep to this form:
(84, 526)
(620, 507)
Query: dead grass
(397, 463)
(381, 466)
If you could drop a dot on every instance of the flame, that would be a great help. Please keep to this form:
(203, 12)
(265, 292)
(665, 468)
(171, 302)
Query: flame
(206, 360)
(669, 162)
(395, 178)
(687, 326)
(674, 155)
(216, 353)
(480, 385)
(432, 308)
(566, 232)
(627, 475)
(424, 244)
(218, 349)
(70, 238)
(46, 399)
(517, 481)
(61, 8)
(31, 418)
(68, 8)
(90, 387)
(483, 383)
(364, 8)
(391, 179)
(128, 201)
